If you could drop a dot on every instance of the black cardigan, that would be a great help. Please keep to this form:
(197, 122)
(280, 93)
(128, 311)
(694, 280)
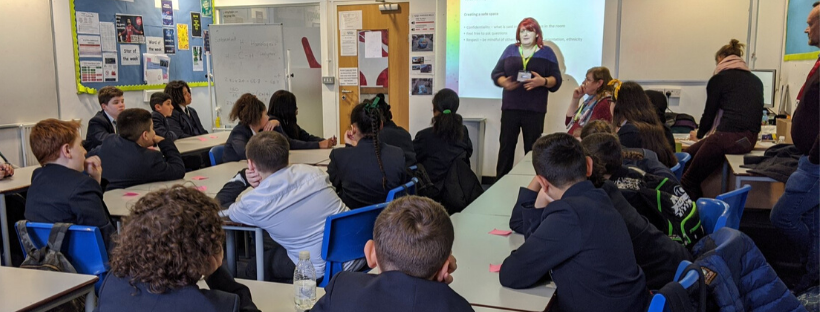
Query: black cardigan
(739, 93)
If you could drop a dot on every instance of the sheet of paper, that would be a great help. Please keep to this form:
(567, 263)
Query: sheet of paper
(235, 16)
(500, 232)
(129, 54)
(196, 58)
(206, 38)
(373, 44)
(88, 23)
(110, 69)
(108, 33)
(182, 37)
(156, 68)
(154, 45)
(89, 46)
(350, 20)
(348, 76)
(425, 22)
(203, 139)
(202, 188)
(349, 42)
(259, 15)
(169, 40)
(421, 65)
(130, 194)
(495, 268)
(167, 12)
(199, 178)
(154, 76)
(91, 71)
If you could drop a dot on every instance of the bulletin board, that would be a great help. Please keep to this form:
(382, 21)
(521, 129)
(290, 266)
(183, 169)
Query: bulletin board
(797, 44)
(131, 77)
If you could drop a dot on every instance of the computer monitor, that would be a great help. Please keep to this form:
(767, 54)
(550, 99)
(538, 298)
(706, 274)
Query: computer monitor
(769, 79)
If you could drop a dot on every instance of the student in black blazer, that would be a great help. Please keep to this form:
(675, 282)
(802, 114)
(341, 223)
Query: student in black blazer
(282, 111)
(161, 104)
(366, 171)
(184, 121)
(252, 118)
(60, 191)
(394, 135)
(412, 247)
(575, 236)
(172, 238)
(102, 125)
(438, 146)
(128, 159)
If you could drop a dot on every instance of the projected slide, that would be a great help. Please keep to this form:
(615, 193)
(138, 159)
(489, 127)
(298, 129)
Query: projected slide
(479, 30)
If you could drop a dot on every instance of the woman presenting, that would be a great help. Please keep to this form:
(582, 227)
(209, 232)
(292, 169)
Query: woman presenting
(528, 71)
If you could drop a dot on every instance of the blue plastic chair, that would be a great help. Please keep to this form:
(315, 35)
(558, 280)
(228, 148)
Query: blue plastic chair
(677, 170)
(737, 202)
(216, 154)
(83, 247)
(713, 214)
(408, 188)
(683, 158)
(658, 302)
(346, 234)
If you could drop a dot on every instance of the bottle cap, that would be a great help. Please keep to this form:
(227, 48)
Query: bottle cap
(304, 255)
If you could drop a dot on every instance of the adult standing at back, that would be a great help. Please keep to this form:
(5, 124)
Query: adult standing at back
(731, 118)
(796, 212)
(528, 71)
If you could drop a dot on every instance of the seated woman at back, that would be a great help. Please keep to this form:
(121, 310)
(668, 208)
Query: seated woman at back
(641, 158)
(282, 112)
(172, 238)
(251, 114)
(447, 140)
(393, 134)
(597, 91)
(366, 171)
(637, 123)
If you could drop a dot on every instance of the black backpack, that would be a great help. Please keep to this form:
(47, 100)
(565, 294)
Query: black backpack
(49, 258)
(461, 186)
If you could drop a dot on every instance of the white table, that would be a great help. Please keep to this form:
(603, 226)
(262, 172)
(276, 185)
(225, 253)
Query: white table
(34, 290)
(269, 296)
(524, 167)
(215, 177)
(310, 157)
(475, 250)
(19, 182)
(201, 143)
(500, 198)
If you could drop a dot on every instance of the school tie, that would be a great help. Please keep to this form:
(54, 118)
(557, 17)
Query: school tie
(115, 125)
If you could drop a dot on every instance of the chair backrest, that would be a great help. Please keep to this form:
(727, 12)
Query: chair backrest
(683, 158)
(713, 214)
(83, 246)
(216, 154)
(408, 188)
(677, 170)
(658, 303)
(345, 235)
(737, 202)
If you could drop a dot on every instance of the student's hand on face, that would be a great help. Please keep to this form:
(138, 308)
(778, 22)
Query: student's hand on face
(253, 177)
(535, 82)
(270, 125)
(447, 278)
(349, 138)
(93, 166)
(214, 262)
(158, 139)
(543, 199)
(534, 185)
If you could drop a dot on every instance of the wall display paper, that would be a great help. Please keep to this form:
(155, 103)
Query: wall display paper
(88, 23)
(130, 29)
(348, 76)
(196, 25)
(108, 33)
(349, 44)
(350, 20)
(129, 54)
(182, 37)
(89, 46)
(196, 54)
(423, 22)
(207, 8)
(110, 67)
(154, 44)
(169, 40)
(167, 13)
(91, 71)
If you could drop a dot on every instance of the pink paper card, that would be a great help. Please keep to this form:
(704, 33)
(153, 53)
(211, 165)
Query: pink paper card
(495, 268)
(198, 178)
(500, 232)
(212, 136)
(203, 139)
(130, 194)
(202, 188)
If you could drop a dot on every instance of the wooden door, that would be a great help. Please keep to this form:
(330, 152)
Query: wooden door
(398, 87)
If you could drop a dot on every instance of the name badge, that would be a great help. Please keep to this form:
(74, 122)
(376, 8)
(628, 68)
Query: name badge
(524, 75)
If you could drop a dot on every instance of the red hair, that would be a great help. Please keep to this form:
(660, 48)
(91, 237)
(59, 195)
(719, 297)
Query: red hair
(530, 24)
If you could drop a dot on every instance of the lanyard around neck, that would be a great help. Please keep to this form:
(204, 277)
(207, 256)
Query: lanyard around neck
(526, 60)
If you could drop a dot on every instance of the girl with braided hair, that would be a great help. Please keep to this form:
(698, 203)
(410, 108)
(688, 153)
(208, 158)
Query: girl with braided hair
(367, 169)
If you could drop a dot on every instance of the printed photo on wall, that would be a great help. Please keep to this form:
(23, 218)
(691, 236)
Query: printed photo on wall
(423, 43)
(196, 56)
(421, 86)
(129, 29)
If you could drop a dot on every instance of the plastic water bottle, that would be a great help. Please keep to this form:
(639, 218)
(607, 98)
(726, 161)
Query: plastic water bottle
(304, 281)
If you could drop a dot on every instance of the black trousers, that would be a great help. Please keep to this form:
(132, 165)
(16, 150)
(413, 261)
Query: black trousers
(512, 123)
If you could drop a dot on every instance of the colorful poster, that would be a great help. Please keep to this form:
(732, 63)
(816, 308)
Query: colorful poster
(110, 67)
(182, 36)
(109, 37)
(169, 40)
(156, 68)
(196, 55)
(88, 23)
(154, 45)
(423, 22)
(167, 13)
(91, 71)
(422, 43)
(207, 40)
(207, 9)
(196, 25)
(89, 46)
(129, 54)
(421, 86)
(129, 29)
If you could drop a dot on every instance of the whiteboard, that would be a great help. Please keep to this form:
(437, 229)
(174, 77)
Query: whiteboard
(29, 84)
(677, 40)
(247, 58)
